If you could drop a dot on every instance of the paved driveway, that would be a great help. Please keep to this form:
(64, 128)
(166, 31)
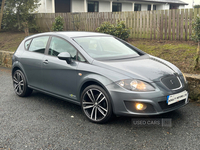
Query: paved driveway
(44, 122)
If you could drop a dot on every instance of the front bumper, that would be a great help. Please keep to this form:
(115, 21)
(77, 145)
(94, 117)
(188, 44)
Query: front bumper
(123, 101)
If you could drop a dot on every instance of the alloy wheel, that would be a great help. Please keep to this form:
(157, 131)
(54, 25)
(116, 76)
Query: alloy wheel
(95, 104)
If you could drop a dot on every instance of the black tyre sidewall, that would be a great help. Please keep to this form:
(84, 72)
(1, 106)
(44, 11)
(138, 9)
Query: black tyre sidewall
(27, 91)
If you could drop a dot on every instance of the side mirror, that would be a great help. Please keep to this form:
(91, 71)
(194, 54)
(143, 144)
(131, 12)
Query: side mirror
(65, 56)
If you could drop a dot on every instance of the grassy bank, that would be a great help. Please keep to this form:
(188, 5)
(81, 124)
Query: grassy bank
(9, 41)
(180, 53)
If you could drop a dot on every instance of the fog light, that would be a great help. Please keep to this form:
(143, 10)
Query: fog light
(140, 106)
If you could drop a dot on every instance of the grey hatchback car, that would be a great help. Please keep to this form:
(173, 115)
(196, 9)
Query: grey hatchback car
(103, 74)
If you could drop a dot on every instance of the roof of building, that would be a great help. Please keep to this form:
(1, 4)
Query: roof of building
(162, 1)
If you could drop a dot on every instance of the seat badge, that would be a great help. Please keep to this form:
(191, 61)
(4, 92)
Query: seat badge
(171, 81)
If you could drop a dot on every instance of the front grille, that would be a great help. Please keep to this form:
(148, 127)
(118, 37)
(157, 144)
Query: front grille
(165, 106)
(131, 107)
(172, 82)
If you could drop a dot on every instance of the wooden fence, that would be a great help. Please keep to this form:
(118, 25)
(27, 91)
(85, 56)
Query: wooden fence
(173, 24)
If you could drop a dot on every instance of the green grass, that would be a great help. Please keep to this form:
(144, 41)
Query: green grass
(180, 53)
(9, 41)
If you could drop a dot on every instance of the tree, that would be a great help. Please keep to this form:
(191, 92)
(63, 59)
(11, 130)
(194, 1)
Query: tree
(196, 38)
(20, 10)
(2, 3)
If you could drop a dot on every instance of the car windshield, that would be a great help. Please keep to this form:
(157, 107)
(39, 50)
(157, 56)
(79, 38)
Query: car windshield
(106, 47)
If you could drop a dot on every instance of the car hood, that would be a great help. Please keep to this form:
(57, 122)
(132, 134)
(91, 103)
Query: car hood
(148, 68)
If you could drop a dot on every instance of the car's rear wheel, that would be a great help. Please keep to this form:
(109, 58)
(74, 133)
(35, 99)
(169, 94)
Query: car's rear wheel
(96, 104)
(20, 84)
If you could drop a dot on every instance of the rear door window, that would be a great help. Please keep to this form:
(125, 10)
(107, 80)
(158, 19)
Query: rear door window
(39, 44)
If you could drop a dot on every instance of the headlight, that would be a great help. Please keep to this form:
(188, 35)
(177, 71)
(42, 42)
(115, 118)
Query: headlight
(136, 85)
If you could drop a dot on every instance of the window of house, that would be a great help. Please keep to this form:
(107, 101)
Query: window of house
(149, 7)
(93, 6)
(154, 7)
(38, 44)
(116, 7)
(173, 6)
(59, 45)
(137, 7)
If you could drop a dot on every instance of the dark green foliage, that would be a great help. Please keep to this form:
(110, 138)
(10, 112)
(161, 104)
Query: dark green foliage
(197, 6)
(196, 37)
(196, 29)
(10, 23)
(58, 25)
(119, 30)
(19, 12)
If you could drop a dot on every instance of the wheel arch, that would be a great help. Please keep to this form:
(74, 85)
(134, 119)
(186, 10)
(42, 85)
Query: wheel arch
(89, 82)
(17, 66)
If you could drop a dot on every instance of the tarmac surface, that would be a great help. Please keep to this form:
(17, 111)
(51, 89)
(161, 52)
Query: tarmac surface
(41, 122)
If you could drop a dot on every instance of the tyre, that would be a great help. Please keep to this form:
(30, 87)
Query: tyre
(20, 84)
(96, 104)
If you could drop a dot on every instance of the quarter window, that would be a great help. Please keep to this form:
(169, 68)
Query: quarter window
(39, 44)
(80, 58)
(59, 45)
(27, 43)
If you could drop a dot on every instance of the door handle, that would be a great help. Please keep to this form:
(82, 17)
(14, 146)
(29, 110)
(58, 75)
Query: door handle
(45, 61)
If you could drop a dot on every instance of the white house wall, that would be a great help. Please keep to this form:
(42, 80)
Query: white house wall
(163, 7)
(77, 6)
(49, 6)
(104, 6)
(45, 7)
(41, 8)
(126, 6)
(144, 7)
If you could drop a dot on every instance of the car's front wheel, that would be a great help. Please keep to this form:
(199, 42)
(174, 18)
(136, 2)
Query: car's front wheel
(96, 104)
(20, 84)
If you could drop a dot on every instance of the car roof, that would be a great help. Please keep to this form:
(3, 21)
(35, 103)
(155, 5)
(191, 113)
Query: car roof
(82, 33)
(71, 34)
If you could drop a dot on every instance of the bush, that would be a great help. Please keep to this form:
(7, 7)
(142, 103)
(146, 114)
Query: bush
(119, 30)
(196, 37)
(10, 22)
(58, 25)
(197, 6)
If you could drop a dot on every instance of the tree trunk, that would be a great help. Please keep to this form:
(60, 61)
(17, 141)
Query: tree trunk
(1, 12)
(196, 66)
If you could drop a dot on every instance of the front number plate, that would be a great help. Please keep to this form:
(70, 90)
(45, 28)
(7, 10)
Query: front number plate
(171, 99)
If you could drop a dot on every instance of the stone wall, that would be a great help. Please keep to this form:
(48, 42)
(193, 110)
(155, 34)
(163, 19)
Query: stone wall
(193, 80)
(6, 59)
(193, 86)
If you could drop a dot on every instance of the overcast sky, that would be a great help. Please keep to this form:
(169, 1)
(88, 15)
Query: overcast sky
(196, 2)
